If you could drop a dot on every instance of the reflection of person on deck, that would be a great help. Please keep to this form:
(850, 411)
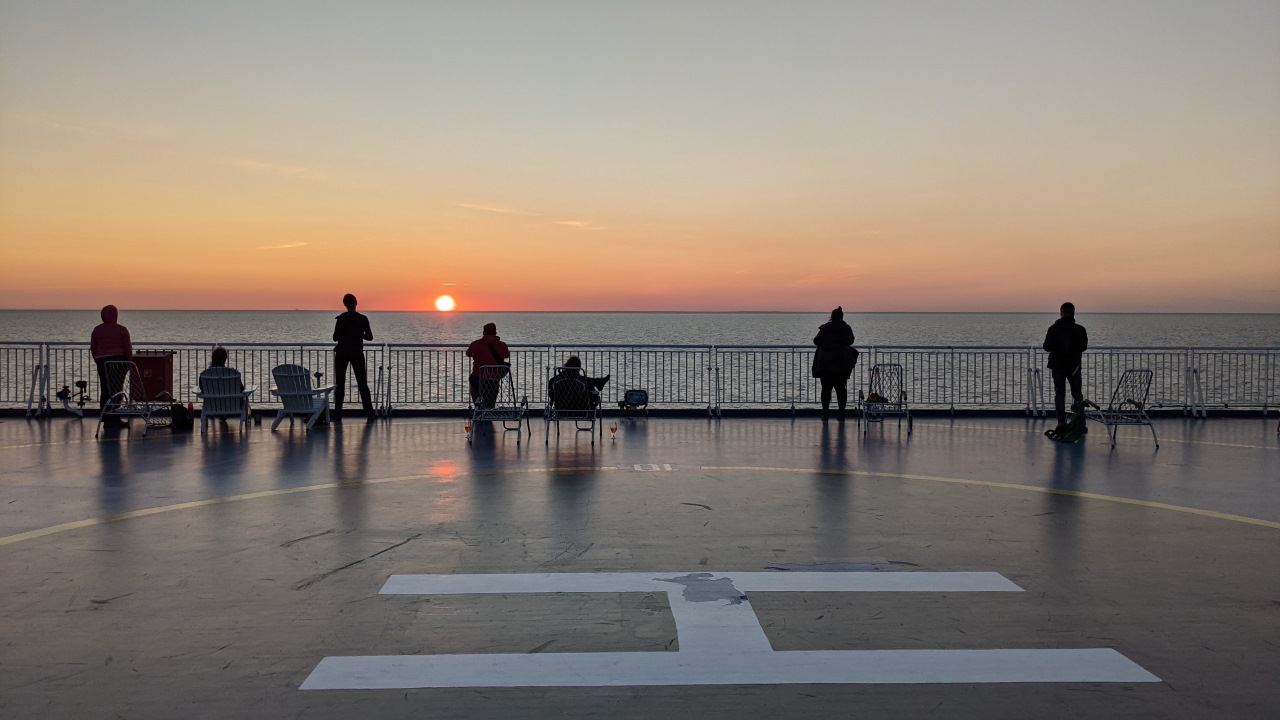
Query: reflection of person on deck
(109, 341)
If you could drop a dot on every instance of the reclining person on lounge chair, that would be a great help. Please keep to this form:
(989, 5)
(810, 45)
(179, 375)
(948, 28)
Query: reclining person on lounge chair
(582, 386)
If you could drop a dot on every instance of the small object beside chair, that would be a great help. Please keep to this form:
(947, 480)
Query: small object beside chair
(634, 402)
(293, 387)
(1127, 406)
(223, 395)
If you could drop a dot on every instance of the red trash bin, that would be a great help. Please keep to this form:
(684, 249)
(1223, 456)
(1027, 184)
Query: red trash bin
(156, 369)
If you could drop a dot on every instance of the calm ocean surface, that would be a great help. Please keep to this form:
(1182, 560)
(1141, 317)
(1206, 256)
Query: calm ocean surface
(886, 329)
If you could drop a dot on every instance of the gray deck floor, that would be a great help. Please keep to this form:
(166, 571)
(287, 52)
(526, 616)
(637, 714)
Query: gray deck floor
(239, 574)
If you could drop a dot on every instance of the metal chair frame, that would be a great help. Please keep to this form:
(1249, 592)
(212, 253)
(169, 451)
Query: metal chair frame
(570, 397)
(496, 400)
(885, 380)
(131, 399)
(1127, 406)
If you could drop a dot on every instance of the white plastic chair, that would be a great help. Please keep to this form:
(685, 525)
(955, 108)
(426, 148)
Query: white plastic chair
(130, 398)
(885, 396)
(1127, 406)
(293, 387)
(570, 397)
(496, 400)
(223, 395)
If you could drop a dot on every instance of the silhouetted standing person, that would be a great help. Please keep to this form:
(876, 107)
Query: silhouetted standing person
(109, 341)
(350, 331)
(1065, 342)
(834, 360)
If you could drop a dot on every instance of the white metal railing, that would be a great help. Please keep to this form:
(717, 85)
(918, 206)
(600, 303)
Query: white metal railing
(692, 377)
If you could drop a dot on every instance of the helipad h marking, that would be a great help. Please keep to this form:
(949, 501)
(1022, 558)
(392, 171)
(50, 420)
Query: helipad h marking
(721, 640)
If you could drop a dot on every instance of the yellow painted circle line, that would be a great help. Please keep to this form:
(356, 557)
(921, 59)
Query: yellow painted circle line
(1023, 488)
(90, 522)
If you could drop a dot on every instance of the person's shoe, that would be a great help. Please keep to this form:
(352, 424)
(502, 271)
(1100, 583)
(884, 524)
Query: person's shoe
(840, 416)
(824, 416)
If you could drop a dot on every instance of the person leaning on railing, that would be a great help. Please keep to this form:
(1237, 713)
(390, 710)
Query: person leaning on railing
(110, 341)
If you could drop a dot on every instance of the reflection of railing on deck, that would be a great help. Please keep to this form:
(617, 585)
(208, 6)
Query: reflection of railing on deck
(702, 378)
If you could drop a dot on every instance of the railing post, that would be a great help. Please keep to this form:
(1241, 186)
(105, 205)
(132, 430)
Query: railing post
(951, 385)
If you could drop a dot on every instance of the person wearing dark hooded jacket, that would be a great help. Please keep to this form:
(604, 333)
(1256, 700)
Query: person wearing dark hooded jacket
(109, 341)
(834, 360)
(350, 331)
(1065, 342)
(488, 350)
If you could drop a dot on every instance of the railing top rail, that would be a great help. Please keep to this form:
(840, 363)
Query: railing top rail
(642, 346)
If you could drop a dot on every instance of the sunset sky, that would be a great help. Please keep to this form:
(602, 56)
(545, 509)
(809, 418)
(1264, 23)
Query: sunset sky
(600, 155)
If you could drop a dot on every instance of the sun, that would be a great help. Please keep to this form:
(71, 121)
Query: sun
(444, 303)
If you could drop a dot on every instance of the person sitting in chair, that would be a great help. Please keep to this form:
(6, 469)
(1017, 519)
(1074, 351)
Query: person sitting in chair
(582, 386)
(489, 363)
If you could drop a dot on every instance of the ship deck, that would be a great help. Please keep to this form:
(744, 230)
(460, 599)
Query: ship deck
(684, 568)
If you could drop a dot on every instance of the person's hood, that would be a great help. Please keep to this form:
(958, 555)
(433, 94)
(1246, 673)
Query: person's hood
(491, 338)
(110, 314)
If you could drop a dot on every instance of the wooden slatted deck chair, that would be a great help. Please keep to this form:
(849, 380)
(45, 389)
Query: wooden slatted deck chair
(570, 397)
(129, 398)
(1128, 405)
(293, 387)
(496, 400)
(223, 395)
(885, 396)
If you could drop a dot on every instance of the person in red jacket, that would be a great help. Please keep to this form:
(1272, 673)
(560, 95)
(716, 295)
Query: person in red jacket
(109, 341)
(488, 350)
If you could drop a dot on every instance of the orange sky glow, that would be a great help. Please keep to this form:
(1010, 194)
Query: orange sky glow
(852, 153)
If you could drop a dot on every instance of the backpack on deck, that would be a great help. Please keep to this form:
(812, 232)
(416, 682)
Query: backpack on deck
(1075, 427)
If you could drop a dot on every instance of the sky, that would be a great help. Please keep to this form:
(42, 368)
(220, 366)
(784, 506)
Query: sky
(598, 155)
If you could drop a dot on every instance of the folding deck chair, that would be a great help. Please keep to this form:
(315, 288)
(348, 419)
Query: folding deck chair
(496, 400)
(1127, 406)
(129, 398)
(293, 387)
(885, 396)
(223, 395)
(570, 397)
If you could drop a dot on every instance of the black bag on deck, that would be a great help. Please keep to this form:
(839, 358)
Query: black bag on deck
(183, 420)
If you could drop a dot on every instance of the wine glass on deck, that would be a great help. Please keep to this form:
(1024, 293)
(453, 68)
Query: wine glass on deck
(613, 430)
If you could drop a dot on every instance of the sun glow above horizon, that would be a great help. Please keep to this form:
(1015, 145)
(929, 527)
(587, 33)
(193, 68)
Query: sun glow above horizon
(445, 303)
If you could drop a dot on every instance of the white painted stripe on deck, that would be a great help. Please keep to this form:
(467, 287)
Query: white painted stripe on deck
(762, 668)
(498, 583)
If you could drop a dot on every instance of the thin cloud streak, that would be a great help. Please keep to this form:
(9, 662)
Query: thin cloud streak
(285, 246)
(498, 209)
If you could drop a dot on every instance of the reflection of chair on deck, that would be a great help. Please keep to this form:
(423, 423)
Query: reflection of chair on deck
(1128, 405)
(570, 397)
(129, 398)
(496, 400)
(885, 396)
(223, 395)
(293, 387)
